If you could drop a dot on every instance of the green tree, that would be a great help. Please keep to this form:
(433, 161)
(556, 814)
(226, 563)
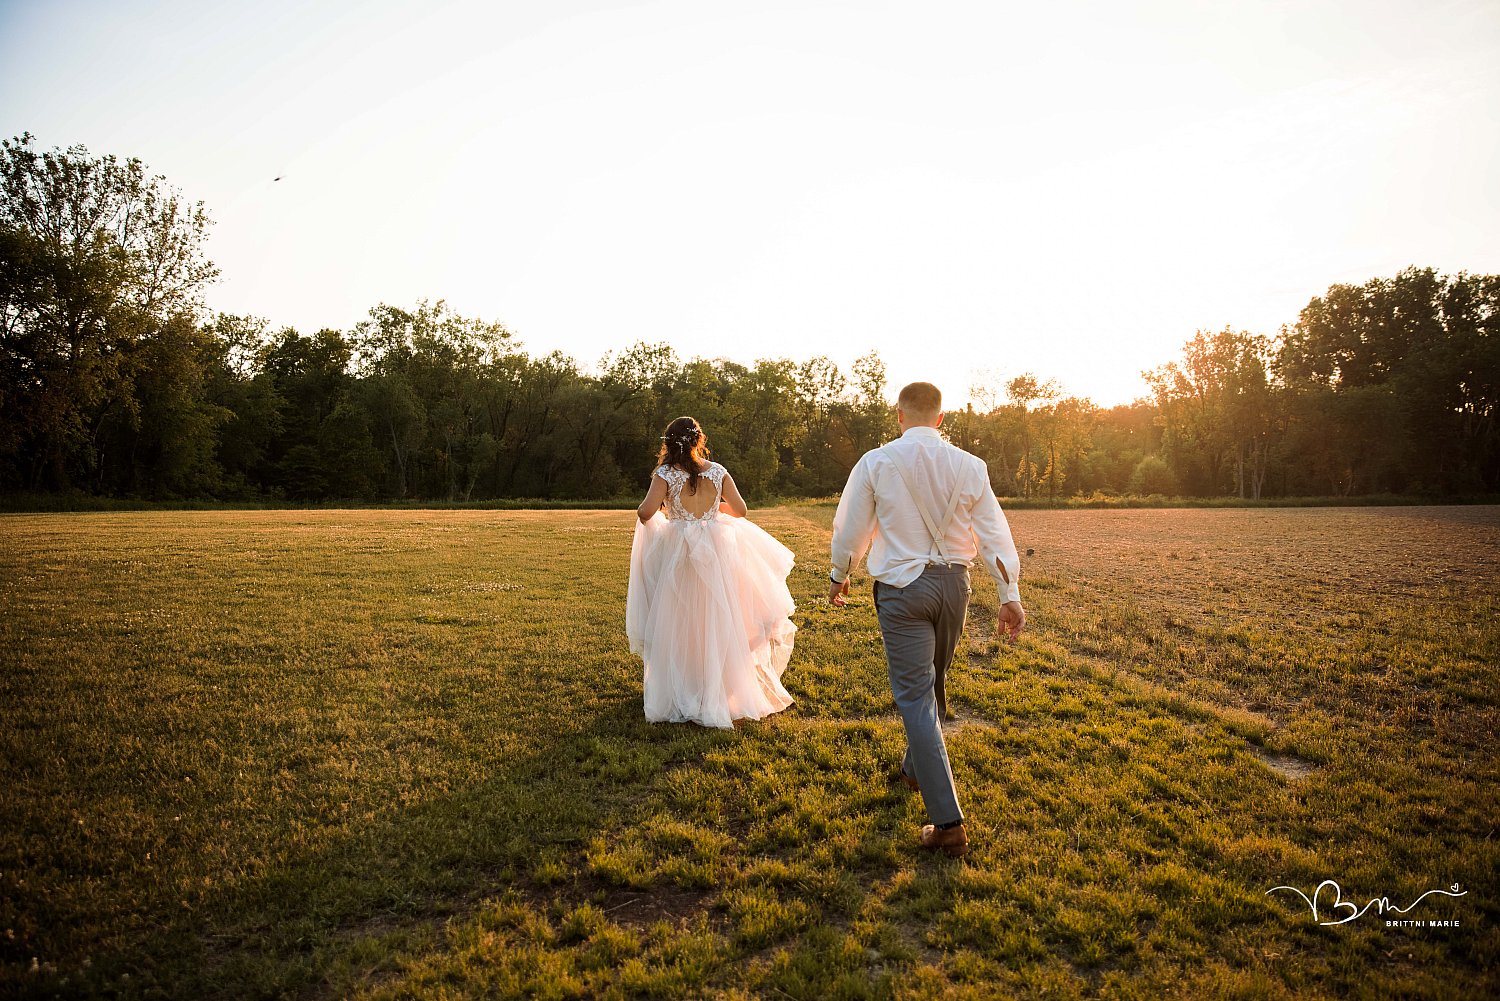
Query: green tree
(351, 466)
(310, 375)
(1152, 475)
(398, 421)
(1026, 392)
(770, 431)
(819, 387)
(1252, 412)
(528, 450)
(1063, 432)
(159, 434)
(871, 419)
(430, 366)
(1120, 437)
(237, 383)
(1217, 410)
(96, 256)
(1417, 352)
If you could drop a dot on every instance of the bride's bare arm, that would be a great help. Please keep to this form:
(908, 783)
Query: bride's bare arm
(732, 502)
(655, 497)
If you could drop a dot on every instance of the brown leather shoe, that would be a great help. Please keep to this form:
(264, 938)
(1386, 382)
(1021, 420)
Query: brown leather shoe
(908, 781)
(953, 842)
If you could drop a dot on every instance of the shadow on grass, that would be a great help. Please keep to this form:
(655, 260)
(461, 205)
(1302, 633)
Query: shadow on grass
(289, 931)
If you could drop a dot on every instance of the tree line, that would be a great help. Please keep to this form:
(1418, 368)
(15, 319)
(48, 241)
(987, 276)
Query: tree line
(115, 380)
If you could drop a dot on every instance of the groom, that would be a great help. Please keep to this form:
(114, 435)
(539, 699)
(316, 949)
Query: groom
(925, 511)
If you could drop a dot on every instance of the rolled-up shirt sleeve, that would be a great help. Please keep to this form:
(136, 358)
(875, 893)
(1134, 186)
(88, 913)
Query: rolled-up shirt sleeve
(854, 521)
(997, 548)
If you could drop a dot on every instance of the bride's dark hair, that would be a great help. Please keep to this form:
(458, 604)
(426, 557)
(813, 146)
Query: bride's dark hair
(685, 446)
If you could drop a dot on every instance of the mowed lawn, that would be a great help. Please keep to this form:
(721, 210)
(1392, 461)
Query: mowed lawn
(401, 754)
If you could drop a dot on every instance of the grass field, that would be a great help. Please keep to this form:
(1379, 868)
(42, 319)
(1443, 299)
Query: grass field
(401, 754)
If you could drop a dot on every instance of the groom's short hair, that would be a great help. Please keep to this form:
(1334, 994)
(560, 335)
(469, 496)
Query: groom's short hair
(921, 400)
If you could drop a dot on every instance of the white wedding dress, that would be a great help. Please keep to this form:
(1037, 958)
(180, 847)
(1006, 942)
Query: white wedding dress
(708, 611)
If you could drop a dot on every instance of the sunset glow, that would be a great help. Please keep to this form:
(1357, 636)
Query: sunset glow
(975, 190)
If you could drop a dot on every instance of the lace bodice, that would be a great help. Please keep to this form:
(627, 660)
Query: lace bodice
(677, 479)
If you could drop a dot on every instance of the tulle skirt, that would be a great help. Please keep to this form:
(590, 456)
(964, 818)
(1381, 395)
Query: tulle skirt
(708, 611)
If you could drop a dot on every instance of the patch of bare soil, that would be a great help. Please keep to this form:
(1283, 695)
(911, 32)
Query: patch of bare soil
(1288, 766)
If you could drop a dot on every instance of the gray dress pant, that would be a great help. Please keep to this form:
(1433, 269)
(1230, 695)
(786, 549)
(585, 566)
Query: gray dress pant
(920, 625)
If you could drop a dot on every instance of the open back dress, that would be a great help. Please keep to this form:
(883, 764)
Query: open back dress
(708, 610)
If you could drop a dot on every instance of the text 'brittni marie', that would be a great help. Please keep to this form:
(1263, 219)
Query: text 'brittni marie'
(1351, 910)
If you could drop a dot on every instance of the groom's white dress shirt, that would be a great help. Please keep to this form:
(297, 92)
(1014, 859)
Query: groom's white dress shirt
(876, 512)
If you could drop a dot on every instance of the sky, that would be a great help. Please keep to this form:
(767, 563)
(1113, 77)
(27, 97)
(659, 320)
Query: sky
(975, 190)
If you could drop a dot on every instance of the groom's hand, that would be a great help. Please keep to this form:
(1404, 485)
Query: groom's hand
(1012, 620)
(838, 593)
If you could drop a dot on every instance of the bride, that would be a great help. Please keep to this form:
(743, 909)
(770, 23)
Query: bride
(707, 608)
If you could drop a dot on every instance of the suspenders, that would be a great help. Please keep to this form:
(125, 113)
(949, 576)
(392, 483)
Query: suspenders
(938, 554)
(935, 528)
